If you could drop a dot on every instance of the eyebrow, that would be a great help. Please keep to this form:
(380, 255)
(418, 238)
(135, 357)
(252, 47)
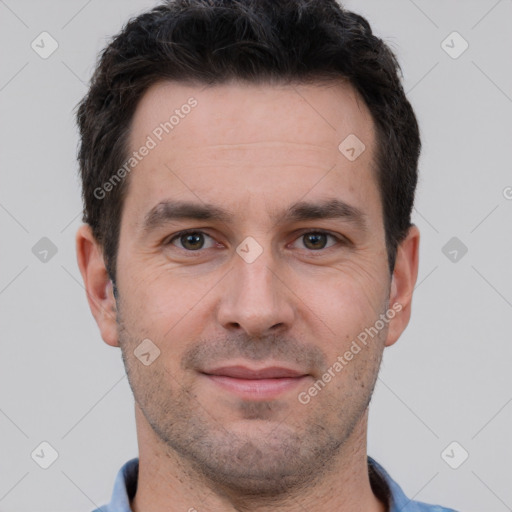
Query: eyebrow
(167, 211)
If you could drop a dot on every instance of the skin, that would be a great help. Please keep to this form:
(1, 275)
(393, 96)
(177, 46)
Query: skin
(253, 150)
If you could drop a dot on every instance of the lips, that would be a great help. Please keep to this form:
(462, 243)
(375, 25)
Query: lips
(242, 372)
(256, 384)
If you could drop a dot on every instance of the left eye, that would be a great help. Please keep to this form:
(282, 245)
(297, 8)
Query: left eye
(317, 240)
(192, 240)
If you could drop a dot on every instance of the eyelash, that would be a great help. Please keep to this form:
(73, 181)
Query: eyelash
(177, 236)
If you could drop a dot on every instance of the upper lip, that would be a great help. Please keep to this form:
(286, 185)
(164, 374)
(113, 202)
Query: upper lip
(242, 372)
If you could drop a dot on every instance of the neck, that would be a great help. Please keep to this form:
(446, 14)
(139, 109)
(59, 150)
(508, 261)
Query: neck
(167, 482)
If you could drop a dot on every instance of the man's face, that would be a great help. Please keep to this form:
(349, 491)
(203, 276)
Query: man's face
(290, 301)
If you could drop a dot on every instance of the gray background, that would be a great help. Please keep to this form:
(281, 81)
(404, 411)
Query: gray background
(447, 379)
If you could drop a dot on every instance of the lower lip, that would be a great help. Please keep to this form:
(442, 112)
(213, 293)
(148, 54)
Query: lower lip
(257, 389)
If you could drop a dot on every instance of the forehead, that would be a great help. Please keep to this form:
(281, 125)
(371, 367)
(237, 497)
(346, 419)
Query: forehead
(243, 143)
(244, 112)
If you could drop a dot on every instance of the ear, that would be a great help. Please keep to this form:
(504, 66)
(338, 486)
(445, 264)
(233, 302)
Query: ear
(98, 285)
(403, 281)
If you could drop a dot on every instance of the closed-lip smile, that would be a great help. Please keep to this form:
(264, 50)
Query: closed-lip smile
(255, 384)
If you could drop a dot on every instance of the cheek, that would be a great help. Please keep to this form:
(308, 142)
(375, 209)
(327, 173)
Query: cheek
(346, 298)
(170, 310)
(344, 318)
(156, 293)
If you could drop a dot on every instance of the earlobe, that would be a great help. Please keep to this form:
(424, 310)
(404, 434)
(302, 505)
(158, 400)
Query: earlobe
(97, 283)
(402, 284)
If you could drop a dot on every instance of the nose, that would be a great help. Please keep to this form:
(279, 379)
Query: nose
(256, 298)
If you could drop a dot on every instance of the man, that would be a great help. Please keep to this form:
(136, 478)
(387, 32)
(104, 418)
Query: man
(249, 169)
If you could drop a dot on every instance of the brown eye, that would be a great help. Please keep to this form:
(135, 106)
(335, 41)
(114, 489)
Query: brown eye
(191, 240)
(317, 240)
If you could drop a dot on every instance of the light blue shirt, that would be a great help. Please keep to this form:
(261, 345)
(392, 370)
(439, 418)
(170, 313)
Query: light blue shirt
(384, 487)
